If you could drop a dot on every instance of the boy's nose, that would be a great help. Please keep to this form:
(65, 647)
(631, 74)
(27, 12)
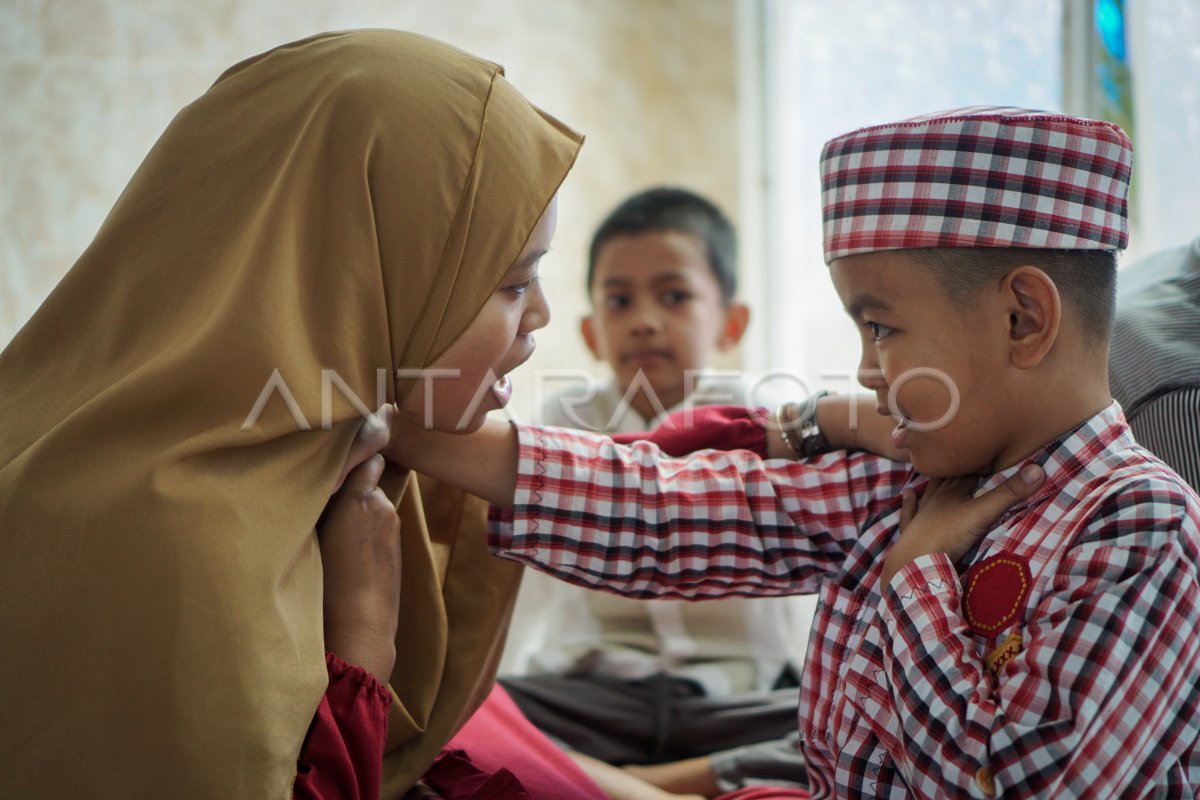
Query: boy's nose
(871, 378)
(645, 322)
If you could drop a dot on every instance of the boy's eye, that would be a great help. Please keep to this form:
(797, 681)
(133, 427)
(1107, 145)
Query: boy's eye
(878, 331)
(674, 297)
(616, 301)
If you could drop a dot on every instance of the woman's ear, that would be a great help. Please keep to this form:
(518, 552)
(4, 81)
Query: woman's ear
(737, 317)
(1034, 315)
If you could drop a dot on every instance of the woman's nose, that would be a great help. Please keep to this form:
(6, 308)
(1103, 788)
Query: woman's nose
(537, 311)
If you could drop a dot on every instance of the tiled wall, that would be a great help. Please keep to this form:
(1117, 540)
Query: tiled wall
(87, 86)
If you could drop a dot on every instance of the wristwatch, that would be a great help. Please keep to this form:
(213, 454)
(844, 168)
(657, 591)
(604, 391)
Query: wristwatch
(805, 440)
(812, 441)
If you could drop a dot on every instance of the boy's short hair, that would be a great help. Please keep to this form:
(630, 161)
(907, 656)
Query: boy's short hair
(1086, 279)
(666, 208)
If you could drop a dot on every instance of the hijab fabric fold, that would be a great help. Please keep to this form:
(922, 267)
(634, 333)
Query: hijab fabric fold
(174, 417)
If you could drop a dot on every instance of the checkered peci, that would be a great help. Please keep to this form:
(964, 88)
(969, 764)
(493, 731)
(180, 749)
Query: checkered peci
(982, 176)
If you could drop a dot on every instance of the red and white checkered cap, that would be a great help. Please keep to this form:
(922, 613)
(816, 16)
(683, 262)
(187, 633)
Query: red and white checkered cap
(983, 176)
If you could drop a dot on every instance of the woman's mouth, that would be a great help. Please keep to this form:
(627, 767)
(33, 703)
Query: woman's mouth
(502, 390)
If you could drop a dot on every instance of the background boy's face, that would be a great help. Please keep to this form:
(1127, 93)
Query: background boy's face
(658, 308)
(925, 352)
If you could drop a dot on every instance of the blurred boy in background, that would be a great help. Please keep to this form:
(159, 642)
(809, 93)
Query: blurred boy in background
(648, 681)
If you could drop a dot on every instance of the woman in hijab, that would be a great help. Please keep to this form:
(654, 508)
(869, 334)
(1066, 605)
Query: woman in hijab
(330, 215)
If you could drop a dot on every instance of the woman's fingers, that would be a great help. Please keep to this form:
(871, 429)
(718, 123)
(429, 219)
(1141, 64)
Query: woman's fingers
(364, 478)
(373, 436)
(360, 557)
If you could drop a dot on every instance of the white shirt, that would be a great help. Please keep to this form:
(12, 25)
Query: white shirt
(726, 646)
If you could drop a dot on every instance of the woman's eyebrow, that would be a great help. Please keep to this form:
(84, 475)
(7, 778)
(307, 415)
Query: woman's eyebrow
(529, 259)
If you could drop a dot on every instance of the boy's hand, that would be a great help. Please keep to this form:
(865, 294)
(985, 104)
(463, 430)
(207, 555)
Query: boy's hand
(949, 520)
(360, 559)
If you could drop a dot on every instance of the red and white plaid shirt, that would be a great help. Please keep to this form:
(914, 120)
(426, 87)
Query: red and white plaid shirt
(1102, 697)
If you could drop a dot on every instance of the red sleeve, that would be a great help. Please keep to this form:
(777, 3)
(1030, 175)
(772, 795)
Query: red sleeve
(342, 756)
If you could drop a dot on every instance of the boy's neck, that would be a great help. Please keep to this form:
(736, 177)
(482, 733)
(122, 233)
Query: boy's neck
(648, 411)
(1046, 413)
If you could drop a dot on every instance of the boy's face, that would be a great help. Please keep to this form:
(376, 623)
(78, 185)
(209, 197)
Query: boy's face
(939, 368)
(658, 308)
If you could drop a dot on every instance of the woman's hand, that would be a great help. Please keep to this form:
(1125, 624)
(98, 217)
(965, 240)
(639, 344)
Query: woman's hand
(360, 557)
(372, 437)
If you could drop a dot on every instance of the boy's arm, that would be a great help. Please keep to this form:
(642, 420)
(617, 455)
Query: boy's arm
(714, 524)
(483, 463)
(630, 520)
(1101, 696)
(847, 422)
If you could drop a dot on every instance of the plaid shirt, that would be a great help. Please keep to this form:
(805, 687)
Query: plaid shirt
(1102, 697)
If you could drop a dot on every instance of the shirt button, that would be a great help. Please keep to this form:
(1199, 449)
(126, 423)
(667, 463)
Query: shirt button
(983, 779)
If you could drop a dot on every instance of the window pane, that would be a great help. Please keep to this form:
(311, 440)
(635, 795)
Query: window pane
(833, 67)
(1165, 53)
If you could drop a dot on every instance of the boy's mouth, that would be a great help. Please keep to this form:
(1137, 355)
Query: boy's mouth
(903, 423)
(900, 433)
(644, 357)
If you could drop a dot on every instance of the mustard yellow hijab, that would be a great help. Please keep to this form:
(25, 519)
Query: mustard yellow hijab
(342, 204)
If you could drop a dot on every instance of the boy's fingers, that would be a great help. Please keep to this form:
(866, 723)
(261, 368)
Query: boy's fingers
(908, 507)
(1016, 488)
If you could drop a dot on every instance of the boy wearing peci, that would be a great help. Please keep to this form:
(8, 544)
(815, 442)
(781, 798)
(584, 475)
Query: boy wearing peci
(1031, 626)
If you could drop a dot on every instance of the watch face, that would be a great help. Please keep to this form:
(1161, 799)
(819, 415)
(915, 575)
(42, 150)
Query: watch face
(812, 441)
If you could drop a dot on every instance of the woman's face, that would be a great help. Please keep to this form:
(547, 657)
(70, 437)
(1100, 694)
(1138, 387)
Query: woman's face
(471, 377)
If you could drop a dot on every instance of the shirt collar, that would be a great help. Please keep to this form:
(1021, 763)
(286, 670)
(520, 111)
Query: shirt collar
(1064, 457)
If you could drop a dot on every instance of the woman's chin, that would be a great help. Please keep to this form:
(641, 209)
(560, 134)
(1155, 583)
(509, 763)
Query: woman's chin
(471, 425)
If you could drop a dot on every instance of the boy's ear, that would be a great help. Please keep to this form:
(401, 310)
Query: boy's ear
(588, 330)
(1034, 315)
(737, 317)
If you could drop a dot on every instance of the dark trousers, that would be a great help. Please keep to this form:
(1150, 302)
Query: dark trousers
(649, 721)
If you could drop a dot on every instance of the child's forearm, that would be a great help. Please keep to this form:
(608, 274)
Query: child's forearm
(483, 463)
(848, 422)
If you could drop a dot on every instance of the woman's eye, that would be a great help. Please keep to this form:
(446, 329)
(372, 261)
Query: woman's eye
(878, 331)
(521, 288)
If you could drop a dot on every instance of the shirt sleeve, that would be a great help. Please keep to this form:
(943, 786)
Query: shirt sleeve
(1169, 427)
(1101, 700)
(713, 524)
(342, 755)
